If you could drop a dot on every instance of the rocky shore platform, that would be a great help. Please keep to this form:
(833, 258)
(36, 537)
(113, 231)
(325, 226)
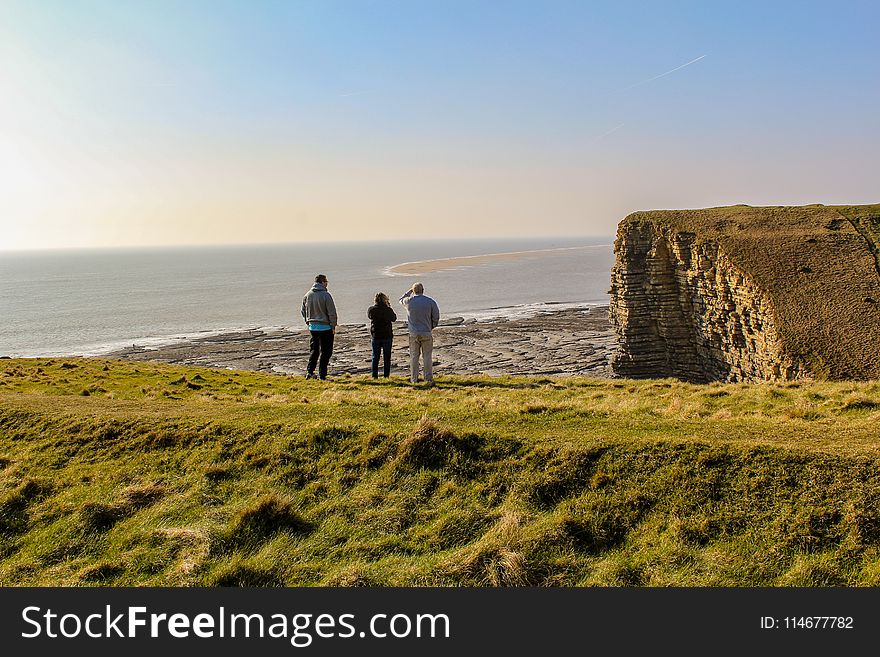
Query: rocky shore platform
(571, 341)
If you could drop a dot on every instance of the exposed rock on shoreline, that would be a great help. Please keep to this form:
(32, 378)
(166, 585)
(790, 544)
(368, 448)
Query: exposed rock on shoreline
(554, 342)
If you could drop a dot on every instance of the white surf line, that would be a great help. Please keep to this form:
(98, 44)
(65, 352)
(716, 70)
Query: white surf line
(390, 271)
(527, 310)
(151, 343)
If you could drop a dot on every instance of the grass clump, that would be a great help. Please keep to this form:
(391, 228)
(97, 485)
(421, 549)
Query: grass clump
(101, 516)
(259, 521)
(14, 505)
(428, 446)
(242, 574)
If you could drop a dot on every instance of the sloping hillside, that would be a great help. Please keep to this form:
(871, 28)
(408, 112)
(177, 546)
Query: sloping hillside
(119, 473)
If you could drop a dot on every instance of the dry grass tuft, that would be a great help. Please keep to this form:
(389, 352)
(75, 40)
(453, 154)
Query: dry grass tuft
(354, 576)
(242, 574)
(138, 497)
(194, 546)
(100, 572)
(498, 558)
(860, 403)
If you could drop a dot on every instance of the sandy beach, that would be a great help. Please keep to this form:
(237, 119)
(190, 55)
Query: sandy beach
(572, 341)
(439, 264)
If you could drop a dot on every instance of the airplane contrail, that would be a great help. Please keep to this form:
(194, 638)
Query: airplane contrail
(608, 132)
(662, 75)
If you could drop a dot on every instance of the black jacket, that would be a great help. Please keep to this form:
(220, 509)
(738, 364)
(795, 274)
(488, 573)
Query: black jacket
(381, 317)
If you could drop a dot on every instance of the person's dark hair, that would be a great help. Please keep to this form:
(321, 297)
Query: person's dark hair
(381, 298)
(320, 278)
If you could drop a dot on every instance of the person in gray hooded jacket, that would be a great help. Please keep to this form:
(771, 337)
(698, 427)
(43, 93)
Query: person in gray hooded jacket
(319, 313)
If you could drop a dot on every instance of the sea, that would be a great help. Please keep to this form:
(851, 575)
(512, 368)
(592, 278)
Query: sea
(95, 301)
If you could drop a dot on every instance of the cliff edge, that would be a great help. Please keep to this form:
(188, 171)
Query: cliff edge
(748, 294)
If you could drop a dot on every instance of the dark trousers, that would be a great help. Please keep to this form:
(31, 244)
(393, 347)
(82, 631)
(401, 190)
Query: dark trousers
(380, 346)
(320, 347)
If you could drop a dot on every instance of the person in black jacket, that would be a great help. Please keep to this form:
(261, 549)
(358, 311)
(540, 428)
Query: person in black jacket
(382, 333)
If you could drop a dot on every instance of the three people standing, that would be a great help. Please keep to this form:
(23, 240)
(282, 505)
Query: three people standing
(422, 317)
(319, 312)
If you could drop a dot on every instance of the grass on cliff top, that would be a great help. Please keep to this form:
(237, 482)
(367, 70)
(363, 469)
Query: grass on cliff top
(119, 473)
(819, 265)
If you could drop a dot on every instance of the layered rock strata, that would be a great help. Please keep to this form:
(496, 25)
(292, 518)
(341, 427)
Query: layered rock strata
(683, 309)
(745, 294)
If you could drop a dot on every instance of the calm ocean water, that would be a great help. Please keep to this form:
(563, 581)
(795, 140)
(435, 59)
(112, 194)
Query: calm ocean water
(92, 301)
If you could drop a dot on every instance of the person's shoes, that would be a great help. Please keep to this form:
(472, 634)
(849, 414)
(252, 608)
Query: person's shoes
(311, 375)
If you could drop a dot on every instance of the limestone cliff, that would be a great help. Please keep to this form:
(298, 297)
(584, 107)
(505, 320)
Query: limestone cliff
(748, 294)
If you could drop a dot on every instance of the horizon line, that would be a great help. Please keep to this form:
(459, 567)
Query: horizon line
(220, 245)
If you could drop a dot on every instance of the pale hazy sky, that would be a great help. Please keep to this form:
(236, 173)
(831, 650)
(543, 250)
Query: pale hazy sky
(144, 123)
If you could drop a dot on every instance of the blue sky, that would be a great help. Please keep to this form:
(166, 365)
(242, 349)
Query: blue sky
(218, 122)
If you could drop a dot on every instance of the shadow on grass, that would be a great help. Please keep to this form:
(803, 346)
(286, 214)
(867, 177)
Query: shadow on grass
(451, 384)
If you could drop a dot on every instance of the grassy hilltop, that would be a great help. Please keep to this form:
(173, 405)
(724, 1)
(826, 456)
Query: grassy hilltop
(118, 473)
(820, 266)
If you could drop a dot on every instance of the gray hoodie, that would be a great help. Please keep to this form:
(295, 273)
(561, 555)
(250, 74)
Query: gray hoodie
(318, 306)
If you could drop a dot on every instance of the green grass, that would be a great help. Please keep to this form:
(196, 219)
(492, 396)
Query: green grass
(120, 473)
(820, 267)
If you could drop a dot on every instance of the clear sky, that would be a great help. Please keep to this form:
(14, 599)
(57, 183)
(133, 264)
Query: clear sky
(144, 123)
